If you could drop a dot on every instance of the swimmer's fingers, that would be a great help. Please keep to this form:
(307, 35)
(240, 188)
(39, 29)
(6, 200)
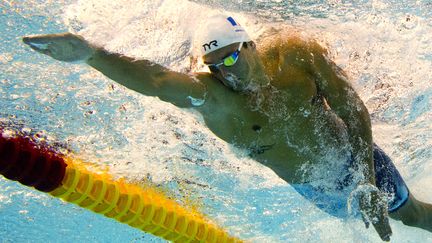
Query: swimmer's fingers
(65, 47)
(374, 210)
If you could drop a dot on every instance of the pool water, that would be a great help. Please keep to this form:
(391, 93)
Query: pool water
(385, 47)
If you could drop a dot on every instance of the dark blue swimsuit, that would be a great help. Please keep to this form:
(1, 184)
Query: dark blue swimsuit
(388, 180)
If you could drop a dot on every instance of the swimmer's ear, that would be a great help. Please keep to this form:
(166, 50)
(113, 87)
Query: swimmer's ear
(65, 47)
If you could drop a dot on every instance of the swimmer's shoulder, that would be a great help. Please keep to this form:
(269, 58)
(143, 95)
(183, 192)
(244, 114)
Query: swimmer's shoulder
(288, 44)
(288, 59)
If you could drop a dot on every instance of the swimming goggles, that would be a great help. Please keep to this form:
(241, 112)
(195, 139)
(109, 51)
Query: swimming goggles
(228, 61)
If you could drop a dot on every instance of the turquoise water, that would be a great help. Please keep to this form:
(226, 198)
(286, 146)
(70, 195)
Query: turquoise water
(384, 46)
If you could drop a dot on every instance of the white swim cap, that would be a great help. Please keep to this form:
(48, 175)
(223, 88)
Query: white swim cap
(220, 31)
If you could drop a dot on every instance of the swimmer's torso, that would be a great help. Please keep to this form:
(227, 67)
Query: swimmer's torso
(284, 126)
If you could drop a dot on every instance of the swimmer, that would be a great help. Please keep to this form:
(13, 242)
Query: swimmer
(284, 101)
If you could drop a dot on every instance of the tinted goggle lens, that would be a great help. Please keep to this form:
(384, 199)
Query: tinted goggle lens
(231, 59)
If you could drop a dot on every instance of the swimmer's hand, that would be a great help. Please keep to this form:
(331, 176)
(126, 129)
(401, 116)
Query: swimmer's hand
(65, 47)
(373, 208)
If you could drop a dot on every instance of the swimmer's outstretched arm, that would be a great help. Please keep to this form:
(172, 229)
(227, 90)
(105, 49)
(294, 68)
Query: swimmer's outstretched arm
(344, 101)
(142, 76)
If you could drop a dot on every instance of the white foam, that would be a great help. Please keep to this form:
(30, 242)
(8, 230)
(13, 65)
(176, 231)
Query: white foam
(387, 58)
(162, 31)
(377, 49)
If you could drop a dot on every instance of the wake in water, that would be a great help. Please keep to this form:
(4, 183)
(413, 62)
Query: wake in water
(375, 44)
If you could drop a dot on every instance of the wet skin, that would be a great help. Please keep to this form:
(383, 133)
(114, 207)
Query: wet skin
(284, 121)
(284, 125)
(291, 106)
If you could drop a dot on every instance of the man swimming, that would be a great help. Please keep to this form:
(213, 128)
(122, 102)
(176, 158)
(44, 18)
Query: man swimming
(287, 103)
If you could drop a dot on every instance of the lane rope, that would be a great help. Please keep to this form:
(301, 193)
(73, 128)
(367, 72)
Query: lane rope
(38, 166)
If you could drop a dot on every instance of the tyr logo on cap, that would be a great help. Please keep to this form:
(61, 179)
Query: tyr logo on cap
(210, 44)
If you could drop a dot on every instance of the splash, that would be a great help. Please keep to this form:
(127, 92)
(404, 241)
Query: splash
(382, 45)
